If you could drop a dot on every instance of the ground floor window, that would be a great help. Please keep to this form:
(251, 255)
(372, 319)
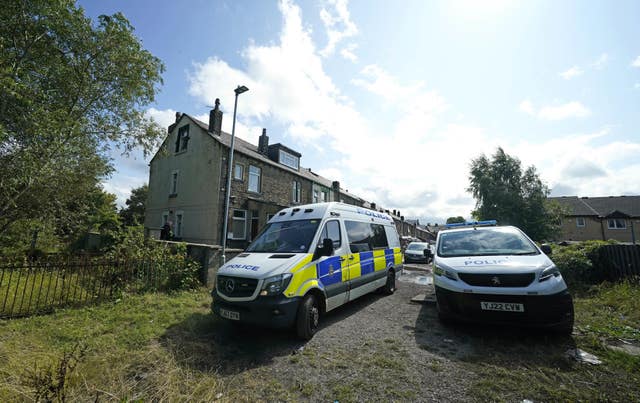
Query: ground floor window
(617, 223)
(239, 225)
(580, 221)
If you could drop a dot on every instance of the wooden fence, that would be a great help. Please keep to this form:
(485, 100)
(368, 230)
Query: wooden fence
(30, 287)
(622, 260)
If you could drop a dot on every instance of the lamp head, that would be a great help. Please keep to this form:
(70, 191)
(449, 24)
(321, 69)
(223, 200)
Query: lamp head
(240, 89)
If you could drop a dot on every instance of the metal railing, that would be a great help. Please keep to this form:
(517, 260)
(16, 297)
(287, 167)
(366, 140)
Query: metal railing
(30, 287)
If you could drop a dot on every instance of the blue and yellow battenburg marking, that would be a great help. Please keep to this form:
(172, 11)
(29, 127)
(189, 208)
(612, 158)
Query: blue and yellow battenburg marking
(330, 271)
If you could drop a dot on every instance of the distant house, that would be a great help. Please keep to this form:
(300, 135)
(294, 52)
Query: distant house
(603, 218)
(188, 175)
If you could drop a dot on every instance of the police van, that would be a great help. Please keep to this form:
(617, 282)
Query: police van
(309, 260)
(497, 274)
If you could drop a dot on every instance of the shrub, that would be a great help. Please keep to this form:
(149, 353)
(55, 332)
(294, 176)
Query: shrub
(582, 263)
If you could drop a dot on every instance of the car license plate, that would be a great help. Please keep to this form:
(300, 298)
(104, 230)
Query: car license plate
(502, 306)
(229, 314)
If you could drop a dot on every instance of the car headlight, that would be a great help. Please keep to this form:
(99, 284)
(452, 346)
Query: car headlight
(548, 272)
(276, 284)
(439, 271)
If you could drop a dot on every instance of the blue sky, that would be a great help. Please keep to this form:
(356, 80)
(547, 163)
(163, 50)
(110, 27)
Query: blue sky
(395, 99)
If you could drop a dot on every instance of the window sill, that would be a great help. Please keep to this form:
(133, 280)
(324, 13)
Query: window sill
(172, 195)
(253, 193)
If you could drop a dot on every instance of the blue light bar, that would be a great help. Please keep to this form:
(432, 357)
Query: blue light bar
(484, 223)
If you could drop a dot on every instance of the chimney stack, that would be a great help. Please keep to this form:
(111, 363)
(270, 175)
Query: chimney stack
(263, 142)
(335, 186)
(215, 119)
(178, 114)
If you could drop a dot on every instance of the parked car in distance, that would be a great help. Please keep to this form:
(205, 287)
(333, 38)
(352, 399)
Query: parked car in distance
(415, 252)
(499, 275)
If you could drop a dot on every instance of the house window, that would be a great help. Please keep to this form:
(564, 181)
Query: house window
(238, 171)
(165, 217)
(289, 160)
(580, 222)
(238, 225)
(617, 223)
(173, 185)
(179, 224)
(316, 196)
(323, 195)
(254, 179)
(183, 138)
(296, 191)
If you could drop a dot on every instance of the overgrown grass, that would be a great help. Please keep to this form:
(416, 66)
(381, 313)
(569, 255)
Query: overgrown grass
(606, 315)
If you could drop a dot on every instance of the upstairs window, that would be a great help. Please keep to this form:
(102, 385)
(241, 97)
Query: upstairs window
(289, 160)
(617, 223)
(296, 192)
(238, 172)
(183, 139)
(323, 196)
(173, 184)
(254, 179)
(315, 196)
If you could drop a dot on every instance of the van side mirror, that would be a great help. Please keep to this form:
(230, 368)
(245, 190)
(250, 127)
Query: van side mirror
(546, 249)
(326, 249)
(427, 253)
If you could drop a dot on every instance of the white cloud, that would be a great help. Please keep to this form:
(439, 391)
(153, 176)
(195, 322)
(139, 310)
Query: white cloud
(568, 110)
(337, 21)
(163, 117)
(347, 52)
(600, 62)
(636, 62)
(571, 73)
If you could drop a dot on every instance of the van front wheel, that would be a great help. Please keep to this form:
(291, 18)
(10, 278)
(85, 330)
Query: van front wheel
(308, 317)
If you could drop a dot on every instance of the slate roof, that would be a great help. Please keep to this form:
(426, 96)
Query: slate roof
(251, 150)
(600, 206)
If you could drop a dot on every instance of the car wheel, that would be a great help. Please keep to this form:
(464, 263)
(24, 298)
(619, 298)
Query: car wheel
(308, 318)
(390, 286)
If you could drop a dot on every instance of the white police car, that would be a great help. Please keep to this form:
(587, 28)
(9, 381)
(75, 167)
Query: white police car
(497, 274)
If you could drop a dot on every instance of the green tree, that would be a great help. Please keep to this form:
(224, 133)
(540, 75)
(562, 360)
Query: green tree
(69, 91)
(504, 192)
(453, 220)
(133, 214)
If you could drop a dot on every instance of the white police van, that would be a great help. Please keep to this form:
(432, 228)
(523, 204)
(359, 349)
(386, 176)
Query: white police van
(307, 261)
(496, 274)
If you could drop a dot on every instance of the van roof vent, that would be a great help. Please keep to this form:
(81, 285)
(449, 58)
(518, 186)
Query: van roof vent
(281, 256)
(308, 210)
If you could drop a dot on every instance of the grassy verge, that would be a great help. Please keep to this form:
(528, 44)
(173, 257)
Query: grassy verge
(537, 368)
(115, 349)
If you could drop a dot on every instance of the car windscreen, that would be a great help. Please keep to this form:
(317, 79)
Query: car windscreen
(485, 242)
(417, 246)
(285, 236)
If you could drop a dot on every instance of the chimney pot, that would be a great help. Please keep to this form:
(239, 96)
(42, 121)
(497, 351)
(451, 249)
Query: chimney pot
(263, 142)
(215, 118)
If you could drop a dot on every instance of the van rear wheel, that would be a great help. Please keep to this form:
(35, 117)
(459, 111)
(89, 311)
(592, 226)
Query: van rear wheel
(390, 286)
(308, 317)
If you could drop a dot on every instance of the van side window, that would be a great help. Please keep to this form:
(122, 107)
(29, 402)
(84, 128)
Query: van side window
(379, 239)
(331, 230)
(360, 236)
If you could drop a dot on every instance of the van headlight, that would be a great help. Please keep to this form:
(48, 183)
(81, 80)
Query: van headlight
(439, 271)
(276, 284)
(548, 272)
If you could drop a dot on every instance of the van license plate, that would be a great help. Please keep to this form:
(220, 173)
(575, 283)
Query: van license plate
(502, 306)
(229, 314)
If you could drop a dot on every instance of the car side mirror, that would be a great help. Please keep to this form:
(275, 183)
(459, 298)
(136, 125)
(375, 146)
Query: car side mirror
(546, 249)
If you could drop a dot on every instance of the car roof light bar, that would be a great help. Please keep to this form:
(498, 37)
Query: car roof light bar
(484, 223)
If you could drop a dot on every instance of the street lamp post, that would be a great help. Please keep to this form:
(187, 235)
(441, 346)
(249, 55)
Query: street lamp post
(238, 91)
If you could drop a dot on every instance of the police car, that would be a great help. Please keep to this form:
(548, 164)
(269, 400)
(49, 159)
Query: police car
(488, 273)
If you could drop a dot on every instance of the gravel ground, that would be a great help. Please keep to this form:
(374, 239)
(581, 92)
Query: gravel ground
(376, 348)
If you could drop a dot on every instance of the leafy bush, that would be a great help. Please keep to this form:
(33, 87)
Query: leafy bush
(582, 263)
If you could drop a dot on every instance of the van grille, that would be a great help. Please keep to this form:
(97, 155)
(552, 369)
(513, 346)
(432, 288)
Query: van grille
(498, 280)
(236, 287)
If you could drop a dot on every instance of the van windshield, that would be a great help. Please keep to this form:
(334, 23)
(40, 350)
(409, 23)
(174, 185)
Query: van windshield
(285, 236)
(485, 242)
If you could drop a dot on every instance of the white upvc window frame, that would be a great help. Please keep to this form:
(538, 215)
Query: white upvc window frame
(253, 175)
(173, 182)
(233, 235)
(289, 160)
(615, 222)
(179, 224)
(238, 168)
